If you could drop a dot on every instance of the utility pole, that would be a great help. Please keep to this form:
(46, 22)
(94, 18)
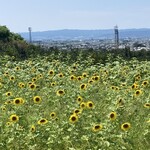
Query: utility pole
(30, 36)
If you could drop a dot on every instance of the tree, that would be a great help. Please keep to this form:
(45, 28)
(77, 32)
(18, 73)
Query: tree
(4, 33)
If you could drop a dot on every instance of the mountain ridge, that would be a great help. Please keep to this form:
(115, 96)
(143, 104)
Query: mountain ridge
(79, 34)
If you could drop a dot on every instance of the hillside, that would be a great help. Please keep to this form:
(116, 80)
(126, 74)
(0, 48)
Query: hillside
(13, 44)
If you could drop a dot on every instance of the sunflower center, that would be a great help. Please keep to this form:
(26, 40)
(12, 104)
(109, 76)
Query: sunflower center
(73, 118)
(37, 99)
(14, 118)
(83, 105)
(125, 125)
(96, 78)
(79, 99)
(82, 86)
(32, 86)
(32, 129)
(137, 92)
(17, 101)
(51, 72)
(52, 115)
(112, 115)
(42, 121)
(97, 127)
(120, 100)
(61, 92)
(90, 105)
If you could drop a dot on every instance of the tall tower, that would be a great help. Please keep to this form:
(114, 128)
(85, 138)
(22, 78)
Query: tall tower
(30, 37)
(116, 37)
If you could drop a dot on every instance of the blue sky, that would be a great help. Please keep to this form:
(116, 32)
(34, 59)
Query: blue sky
(43, 15)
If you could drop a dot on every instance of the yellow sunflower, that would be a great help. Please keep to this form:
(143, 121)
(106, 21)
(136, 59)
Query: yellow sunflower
(79, 99)
(72, 77)
(17, 68)
(53, 115)
(51, 72)
(147, 105)
(79, 78)
(120, 102)
(144, 83)
(12, 78)
(13, 118)
(37, 99)
(90, 104)
(113, 87)
(137, 78)
(84, 74)
(43, 121)
(134, 86)
(97, 127)
(73, 118)
(8, 93)
(34, 79)
(8, 102)
(116, 88)
(8, 123)
(21, 84)
(40, 76)
(113, 116)
(6, 73)
(83, 86)
(77, 111)
(32, 129)
(3, 108)
(96, 78)
(126, 126)
(90, 81)
(60, 92)
(18, 101)
(60, 75)
(32, 86)
(138, 92)
(83, 105)
(53, 83)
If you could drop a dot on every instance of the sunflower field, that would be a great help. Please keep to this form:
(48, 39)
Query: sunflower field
(49, 104)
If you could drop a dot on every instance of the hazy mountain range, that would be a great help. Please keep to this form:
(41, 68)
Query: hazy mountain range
(69, 34)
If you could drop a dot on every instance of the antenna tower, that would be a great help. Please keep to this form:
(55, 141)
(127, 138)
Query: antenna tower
(116, 37)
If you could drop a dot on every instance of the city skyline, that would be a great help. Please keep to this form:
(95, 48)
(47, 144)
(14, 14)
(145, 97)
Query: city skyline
(74, 14)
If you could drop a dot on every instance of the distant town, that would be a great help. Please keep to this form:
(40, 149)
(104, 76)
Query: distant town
(133, 44)
(135, 39)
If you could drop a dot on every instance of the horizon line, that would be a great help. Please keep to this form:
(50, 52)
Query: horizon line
(84, 29)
